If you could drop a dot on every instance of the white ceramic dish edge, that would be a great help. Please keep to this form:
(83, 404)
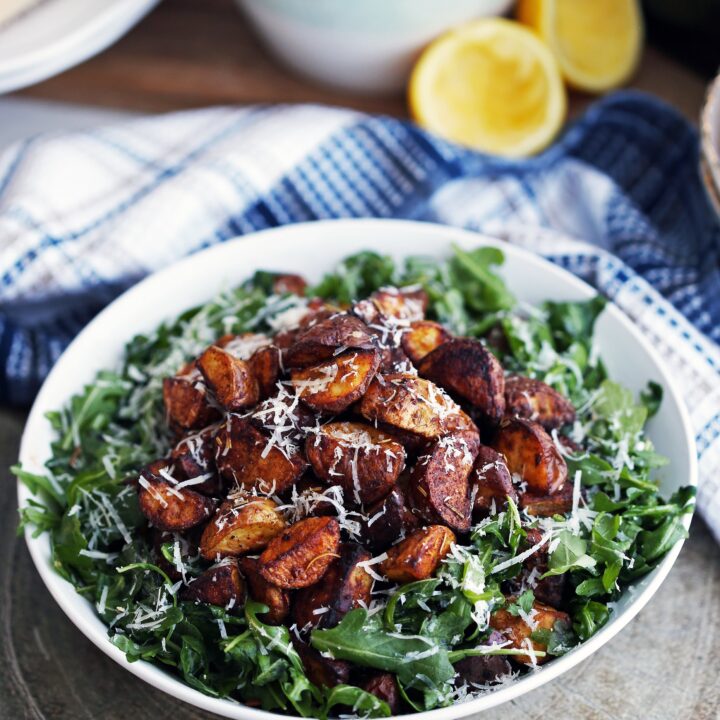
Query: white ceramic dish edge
(354, 235)
(94, 34)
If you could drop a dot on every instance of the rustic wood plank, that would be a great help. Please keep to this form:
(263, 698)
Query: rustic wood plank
(665, 665)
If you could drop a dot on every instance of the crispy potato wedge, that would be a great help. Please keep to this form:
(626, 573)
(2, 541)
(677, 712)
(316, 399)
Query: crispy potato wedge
(277, 599)
(265, 366)
(166, 507)
(229, 378)
(187, 405)
(439, 482)
(417, 556)
(385, 687)
(557, 503)
(301, 555)
(490, 481)
(336, 384)
(289, 284)
(422, 338)
(536, 401)
(518, 632)
(319, 669)
(467, 369)
(388, 519)
(483, 669)
(252, 459)
(321, 341)
(414, 405)
(194, 458)
(364, 461)
(345, 586)
(221, 585)
(530, 452)
(241, 526)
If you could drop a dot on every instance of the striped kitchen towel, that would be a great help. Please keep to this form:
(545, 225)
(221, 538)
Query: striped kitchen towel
(617, 201)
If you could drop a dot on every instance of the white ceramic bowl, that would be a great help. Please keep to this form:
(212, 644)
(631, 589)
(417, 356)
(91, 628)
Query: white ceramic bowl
(359, 45)
(312, 249)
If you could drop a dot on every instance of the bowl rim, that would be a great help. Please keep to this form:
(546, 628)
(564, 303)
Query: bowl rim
(96, 631)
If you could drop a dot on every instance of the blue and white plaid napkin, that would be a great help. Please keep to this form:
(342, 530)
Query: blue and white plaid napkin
(617, 201)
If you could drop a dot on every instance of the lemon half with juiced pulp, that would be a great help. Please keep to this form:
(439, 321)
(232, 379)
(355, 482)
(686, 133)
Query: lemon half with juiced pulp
(597, 43)
(492, 85)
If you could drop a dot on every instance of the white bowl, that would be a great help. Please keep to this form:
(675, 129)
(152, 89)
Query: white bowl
(312, 249)
(360, 45)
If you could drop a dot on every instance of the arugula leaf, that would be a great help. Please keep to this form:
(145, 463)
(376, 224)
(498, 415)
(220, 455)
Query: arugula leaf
(570, 554)
(588, 617)
(357, 700)
(362, 640)
(523, 603)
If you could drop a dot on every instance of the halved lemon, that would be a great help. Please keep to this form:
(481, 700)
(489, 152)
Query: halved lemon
(492, 85)
(597, 44)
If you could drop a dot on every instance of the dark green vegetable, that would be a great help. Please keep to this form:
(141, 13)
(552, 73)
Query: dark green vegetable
(620, 528)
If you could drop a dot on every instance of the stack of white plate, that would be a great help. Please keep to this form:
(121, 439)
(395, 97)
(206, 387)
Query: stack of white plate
(57, 34)
(710, 144)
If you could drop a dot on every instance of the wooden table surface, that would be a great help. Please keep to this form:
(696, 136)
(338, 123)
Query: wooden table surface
(189, 53)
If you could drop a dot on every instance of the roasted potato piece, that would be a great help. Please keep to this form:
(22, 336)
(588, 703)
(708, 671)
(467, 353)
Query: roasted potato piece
(467, 369)
(251, 459)
(336, 384)
(284, 414)
(518, 632)
(187, 405)
(166, 507)
(262, 356)
(536, 401)
(388, 519)
(530, 452)
(277, 599)
(490, 481)
(417, 556)
(240, 526)
(557, 503)
(265, 366)
(244, 345)
(221, 585)
(548, 590)
(229, 378)
(364, 461)
(483, 669)
(287, 283)
(439, 481)
(385, 687)
(300, 556)
(422, 338)
(401, 303)
(319, 669)
(345, 586)
(412, 404)
(321, 341)
(194, 458)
